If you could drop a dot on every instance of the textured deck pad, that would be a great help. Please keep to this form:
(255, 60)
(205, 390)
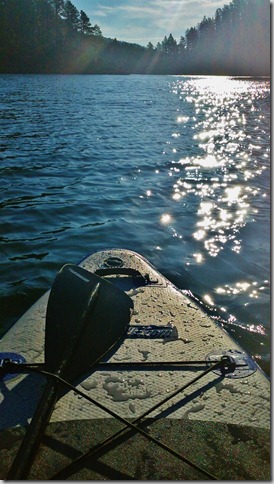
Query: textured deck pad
(244, 400)
(166, 326)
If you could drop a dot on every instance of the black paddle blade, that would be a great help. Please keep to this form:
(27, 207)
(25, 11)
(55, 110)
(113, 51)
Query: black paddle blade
(86, 316)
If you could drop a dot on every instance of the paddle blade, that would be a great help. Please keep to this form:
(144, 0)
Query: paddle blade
(86, 316)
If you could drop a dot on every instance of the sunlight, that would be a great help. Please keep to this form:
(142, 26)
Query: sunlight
(209, 161)
(165, 219)
(182, 119)
(199, 258)
(220, 85)
(205, 207)
(232, 194)
(199, 235)
(208, 299)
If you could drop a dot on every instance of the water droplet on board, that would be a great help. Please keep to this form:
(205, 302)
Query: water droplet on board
(185, 340)
(113, 379)
(136, 382)
(194, 409)
(89, 384)
(124, 357)
(132, 407)
(121, 390)
(226, 386)
(145, 354)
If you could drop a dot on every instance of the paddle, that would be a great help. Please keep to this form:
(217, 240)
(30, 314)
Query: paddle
(86, 316)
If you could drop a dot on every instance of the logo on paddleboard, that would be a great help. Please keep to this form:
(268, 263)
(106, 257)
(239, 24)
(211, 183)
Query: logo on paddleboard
(152, 331)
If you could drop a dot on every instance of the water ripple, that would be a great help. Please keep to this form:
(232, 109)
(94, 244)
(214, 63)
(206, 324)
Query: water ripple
(177, 168)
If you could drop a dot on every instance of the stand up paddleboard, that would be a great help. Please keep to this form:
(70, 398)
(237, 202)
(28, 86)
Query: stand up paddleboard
(173, 398)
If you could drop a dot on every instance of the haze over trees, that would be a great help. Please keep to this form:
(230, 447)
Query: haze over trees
(52, 36)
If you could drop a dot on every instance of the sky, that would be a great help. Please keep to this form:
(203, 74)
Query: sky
(143, 21)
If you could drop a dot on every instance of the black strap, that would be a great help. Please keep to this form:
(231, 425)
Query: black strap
(132, 425)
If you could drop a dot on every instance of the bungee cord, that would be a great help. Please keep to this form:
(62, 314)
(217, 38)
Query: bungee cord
(226, 363)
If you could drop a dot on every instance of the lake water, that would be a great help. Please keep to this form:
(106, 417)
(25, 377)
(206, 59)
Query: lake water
(176, 168)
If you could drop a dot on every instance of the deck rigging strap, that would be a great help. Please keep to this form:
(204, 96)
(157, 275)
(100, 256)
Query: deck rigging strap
(223, 363)
(132, 425)
(9, 366)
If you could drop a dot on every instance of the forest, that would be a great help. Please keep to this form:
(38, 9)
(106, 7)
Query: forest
(52, 36)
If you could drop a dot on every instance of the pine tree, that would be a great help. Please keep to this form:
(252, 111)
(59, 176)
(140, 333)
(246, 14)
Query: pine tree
(85, 25)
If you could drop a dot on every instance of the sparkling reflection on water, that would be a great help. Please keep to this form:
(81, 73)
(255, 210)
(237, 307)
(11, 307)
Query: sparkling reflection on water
(176, 168)
(226, 183)
(221, 176)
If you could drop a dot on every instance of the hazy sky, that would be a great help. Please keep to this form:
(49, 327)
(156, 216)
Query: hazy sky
(143, 21)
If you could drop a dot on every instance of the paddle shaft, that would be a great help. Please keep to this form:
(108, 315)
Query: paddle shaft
(24, 459)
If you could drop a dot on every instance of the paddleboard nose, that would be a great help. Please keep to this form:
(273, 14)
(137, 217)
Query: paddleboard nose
(86, 308)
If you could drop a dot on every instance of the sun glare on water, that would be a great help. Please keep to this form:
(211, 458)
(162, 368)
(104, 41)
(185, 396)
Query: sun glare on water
(165, 219)
(218, 177)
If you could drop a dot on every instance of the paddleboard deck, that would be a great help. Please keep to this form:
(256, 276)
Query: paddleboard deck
(220, 422)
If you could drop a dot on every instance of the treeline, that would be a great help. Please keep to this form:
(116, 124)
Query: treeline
(43, 36)
(52, 36)
(235, 41)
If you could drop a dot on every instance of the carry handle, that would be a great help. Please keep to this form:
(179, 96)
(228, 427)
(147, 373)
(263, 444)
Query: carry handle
(126, 271)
